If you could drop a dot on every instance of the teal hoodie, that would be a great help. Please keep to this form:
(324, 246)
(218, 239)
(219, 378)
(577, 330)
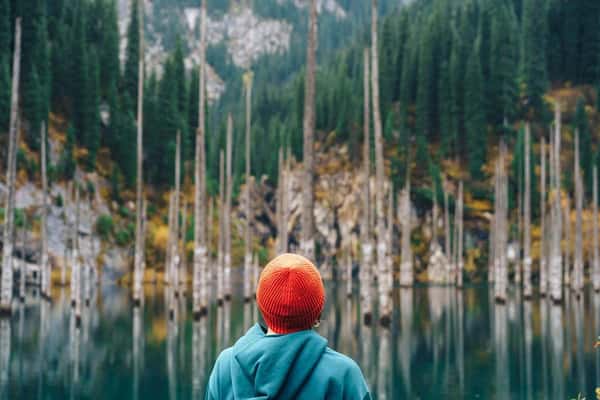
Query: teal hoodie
(285, 367)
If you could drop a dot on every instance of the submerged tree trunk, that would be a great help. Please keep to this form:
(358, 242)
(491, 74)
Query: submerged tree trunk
(137, 272)
(76, 265)
(459, 261)
(447, 238)
(577, 282)
(248, 206)
(365, 229)
(567, 247)
(308, 239)
(555, 270)
(596, 259)
(543, 241)
(384, 273)
(228, 192)
(406, 262)
(500, 223)
(527, 289)
(201, 273)
(6, 285)
(220, 255)
(45, 267)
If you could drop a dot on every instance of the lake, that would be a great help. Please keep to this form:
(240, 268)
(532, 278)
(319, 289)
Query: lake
(443, 343)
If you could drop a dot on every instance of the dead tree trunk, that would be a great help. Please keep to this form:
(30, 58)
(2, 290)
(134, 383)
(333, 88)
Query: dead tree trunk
(201, 273)
(406, 263)
(228, 192)
(527, 289)
(555, 271)
(137, 272)
(543, 241)
(279, 200)
(308, 240)
(567, 248)
(248, 206)
(365, 230)
(577, 282)
(390, 230)
(6, 285)
(67, 221)
(459, 262)
(220, 254)
(182, 250)
(596, 260)
(76, 265)
(500, 223)
(175, 256)
(447, 238)
(384, 273)
(168, 276)
(45, 267)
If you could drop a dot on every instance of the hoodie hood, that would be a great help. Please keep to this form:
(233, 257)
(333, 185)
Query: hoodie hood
(274, 366)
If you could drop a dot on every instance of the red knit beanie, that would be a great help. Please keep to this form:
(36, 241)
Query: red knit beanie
(290, 294)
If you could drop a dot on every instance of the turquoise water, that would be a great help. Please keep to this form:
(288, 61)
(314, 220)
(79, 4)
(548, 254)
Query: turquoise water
(443, 344)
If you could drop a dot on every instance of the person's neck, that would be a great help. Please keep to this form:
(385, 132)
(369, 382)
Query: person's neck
(271, 332)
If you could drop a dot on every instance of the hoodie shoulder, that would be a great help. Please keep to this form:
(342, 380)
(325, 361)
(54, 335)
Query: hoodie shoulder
(220, 375)
(345, 376)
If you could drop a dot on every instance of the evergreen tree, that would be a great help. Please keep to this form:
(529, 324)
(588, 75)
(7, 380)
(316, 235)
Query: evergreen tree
(92, 112)
(533, 57)
(427, 85)
(79, 77)
(132, 55)
(474, 114)
(445, 110)
(68, 157)
(109, 49)
(5, 30)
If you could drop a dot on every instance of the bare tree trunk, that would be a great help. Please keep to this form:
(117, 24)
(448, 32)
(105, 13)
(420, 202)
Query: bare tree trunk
(6, 285)
(384, 274)
(492, 249)
(460, 264)
(248, 233)
(285, 206)
(348, 273)
(183, 273)
(137, 272)
(308, 239)
(45, 267)
(447, 238)
(406, 264)
(76, 265)
(201, 273)
(280, 195)
(500, 223)
(175, 256)
(220, 255)
(229, 188)
(434, 219)
(555, 271)
(577, 282)
(365, 230)
(543, 246)
(527, 289)
(67, 221)
(596, 260)
(22, 263)
(567, 249)
(168, 276)
(390, 230)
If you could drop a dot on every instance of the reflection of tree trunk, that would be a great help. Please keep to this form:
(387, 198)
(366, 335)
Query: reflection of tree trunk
(501, 350)
(581, 345)
(228, 190)
(597, 322)
(137, 272)
(460, 340)
(405, 345)
(7, 271)
(527, 289)
(557, 352)
(543, 241)
(137, 350)
(198, 357)
(527, 321)
(308, 240)
(171, 346)
(201, 272)
(384, 377)
(545, 350)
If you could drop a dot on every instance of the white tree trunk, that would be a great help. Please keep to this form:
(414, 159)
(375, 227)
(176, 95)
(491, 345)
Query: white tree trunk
(137, 272)
(500, 223)
(406, 263)
(365, 229)
(577, 282)
(201, 272)
(220, 254)
(76, 265)
(6, 285)
(555, 267)
(183, 273)
(459, 262)
(596, 259)
(248, 206)
(447, 238)
(567, 249)
(45, 268)
(527, 289)
(308, 239)
(228, 193)
(383, 270)
(543, 241)
(175, 256)
(280, 200)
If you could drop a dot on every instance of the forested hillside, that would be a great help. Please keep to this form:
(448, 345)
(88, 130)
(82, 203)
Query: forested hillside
(456, 76)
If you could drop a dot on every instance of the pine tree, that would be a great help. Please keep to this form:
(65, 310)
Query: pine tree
(92, 112)
(68, 157)
(109, 51)
(130, 74)
(79, 76)
(426, 83)
(445, 109)
(533, 57)
(5, 30)
(475, 114)
(5, 92)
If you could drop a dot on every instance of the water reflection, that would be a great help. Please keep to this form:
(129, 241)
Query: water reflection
(442, 343)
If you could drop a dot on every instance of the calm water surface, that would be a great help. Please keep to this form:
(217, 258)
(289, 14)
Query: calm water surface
(444, 343)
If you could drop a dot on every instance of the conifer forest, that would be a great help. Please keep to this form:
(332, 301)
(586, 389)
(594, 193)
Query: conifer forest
(436, 159)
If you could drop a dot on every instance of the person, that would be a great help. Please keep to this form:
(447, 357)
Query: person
(286, 359)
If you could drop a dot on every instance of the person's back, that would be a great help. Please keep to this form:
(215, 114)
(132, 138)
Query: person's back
(288, 360)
